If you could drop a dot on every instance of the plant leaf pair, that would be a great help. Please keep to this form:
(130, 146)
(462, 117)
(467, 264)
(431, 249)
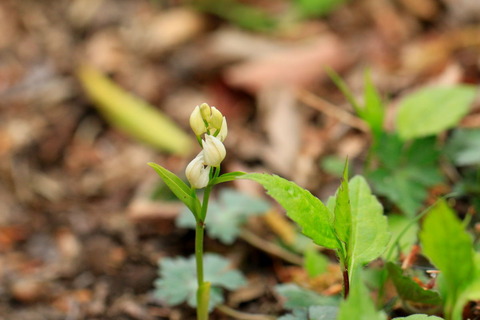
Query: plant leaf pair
(352, 223)
(359, 223)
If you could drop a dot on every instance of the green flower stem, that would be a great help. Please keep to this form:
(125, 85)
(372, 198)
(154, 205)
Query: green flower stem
(199, 230)
(202, 304)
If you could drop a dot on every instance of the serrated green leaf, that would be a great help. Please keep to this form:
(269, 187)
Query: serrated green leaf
(369, 236)
(419, 317)
(307, 211)
(449, 247)
(315, 263)
(429, 111)
(464, 147)
(132, 115)
(178, 187)
(226, 216)
(410, 290)
(298, 297)
(227, 177)
(343, 217)
(177, 280)
(359, 304)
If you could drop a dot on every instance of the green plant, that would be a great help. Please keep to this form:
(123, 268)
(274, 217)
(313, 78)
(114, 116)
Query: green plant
(202, 172)
(351, 223)
(402, 165)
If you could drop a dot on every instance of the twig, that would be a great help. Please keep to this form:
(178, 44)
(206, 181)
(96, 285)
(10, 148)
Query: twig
(242, 315)
(331, 110)
(269, 247)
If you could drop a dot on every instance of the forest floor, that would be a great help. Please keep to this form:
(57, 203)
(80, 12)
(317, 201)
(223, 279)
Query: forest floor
(79, 237)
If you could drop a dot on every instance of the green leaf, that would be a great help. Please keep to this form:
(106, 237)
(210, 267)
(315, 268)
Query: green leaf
(333, 165)
(323, 313)
(373, 111)
(343, 215)
(359, 305)
(396, 225)
(178, 187)
(298, 297)
(344, 88)
(313, 313)
(449, 247)
(370, 235)
(410, 290)
(307, 211)
(464, 147)
(314, 262)
(240, 14)
(297, 314)
(177, 282)
(132, 115)
(317, 8)
(226, 216)
(432, 110)
(419, 317)
(227, 177)
(406, 171)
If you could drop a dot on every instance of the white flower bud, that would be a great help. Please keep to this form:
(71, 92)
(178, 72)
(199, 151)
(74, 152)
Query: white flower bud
(223, 130)
(205, 111)
(215, 119)
(197, 173)
(196, 122)
(213, 151)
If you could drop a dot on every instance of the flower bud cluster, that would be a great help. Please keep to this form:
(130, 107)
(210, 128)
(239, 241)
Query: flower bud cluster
(210, 122)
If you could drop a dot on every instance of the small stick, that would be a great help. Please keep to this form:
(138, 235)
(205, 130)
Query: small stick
(331, 110)
(242, 315)
(269, 247)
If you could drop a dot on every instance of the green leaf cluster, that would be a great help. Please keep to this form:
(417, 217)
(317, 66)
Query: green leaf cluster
(227, 215)
(177, 282)
(404, 164)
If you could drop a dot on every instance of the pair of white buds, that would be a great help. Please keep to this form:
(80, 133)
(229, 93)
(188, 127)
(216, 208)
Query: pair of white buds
(208, 120)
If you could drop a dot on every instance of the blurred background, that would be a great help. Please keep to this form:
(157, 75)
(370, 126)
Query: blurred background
(80, 235)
